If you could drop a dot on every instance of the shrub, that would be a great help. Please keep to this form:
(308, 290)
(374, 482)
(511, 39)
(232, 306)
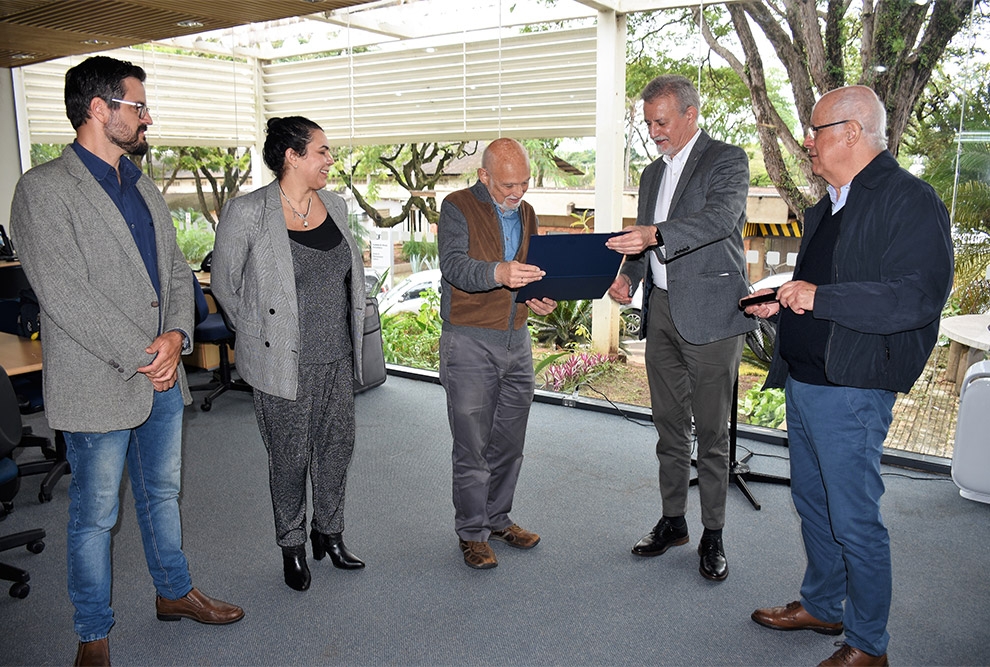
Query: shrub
(764, 407)
(413, 339)
(421, 249)
(195, 238)
(577, 369)
(569, 324)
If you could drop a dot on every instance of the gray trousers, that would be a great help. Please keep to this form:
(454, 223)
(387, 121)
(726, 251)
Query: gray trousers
(489, 393)
(314, 432)
(688, 380)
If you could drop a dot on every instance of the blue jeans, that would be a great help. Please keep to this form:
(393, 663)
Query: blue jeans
(153, 453)
(836, 439)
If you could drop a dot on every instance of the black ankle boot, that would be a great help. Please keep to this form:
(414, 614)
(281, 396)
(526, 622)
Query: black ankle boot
(295, 568)
(333, 544)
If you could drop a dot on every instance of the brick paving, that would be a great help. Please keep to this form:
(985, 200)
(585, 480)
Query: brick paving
(924, 420)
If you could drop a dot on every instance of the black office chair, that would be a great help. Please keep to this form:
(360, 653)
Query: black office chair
(14, 434)
(216, 328)
(11, 436)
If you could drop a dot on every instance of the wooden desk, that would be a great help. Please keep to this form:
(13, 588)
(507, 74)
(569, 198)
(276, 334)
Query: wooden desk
(19, 355)
(969, 339)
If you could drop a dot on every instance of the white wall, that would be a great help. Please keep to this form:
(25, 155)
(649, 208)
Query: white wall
(11, 169)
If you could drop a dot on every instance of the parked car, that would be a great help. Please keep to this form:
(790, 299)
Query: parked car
(371, 280)
(632, 314)
(410, 294)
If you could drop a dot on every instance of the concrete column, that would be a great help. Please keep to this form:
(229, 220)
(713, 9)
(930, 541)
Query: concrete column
(609, 148)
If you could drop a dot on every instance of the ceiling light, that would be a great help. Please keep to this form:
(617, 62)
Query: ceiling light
(21, 56)
(189, 23)
(96, 42)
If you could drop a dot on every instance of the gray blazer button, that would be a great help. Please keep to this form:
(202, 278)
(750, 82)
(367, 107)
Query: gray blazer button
(154, 304)
(271, 311)
(267, 344)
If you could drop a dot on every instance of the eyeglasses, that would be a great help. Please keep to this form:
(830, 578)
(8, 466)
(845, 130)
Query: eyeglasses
(142, 109)
(813, 130)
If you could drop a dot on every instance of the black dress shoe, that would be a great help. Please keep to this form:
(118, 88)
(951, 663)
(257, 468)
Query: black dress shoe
(333, 544)
(662, 537)
(295, 568)
(713, 564)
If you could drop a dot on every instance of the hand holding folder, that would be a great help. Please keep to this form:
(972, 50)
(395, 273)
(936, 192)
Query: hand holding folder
(575, 266)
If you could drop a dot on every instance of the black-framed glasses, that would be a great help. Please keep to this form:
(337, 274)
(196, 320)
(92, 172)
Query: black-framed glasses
(142, 109)
(813, 130)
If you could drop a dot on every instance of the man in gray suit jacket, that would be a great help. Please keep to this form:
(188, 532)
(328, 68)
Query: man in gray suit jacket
(688, 243)
(98, 245)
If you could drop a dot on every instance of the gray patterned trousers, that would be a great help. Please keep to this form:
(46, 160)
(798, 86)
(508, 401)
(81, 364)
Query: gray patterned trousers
(314, 432)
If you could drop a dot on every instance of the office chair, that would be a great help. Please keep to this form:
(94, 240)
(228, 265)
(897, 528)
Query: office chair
(11, 434)
(216, 328)
(14, 434)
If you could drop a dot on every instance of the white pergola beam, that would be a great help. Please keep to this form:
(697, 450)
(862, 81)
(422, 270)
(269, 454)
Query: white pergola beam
(631, 6)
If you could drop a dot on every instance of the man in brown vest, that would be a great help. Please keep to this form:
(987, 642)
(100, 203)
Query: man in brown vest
(486, 359)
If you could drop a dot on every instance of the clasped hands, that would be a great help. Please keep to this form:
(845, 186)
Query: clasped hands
(163, 370)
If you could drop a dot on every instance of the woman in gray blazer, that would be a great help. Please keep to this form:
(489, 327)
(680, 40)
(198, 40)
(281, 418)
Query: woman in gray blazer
(289, 275)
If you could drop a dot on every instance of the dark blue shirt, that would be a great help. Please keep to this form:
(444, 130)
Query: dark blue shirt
(130, 203)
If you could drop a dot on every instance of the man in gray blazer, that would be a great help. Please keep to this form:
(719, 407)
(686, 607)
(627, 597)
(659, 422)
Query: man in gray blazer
(688, 243)
(98, 245)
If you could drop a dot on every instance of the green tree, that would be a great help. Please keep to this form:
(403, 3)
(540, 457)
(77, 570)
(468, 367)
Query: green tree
(892, 46)
(416, 167)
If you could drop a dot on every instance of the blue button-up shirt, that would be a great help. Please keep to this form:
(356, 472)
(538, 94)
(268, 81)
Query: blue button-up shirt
(511, 225)
(129, 202)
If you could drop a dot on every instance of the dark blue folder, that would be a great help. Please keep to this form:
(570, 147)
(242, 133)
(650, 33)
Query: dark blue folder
(578, 266)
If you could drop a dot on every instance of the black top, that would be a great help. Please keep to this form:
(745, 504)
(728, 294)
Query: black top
(324, 237)
(803, 339)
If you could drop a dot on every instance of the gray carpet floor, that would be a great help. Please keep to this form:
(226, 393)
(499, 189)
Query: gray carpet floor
(588, 486)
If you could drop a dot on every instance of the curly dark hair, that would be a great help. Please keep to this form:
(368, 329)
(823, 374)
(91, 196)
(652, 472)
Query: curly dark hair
(98, 76)
(292, 132)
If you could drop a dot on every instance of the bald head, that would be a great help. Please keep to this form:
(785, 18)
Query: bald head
(505, 172)
(850, 126)
(860, 103)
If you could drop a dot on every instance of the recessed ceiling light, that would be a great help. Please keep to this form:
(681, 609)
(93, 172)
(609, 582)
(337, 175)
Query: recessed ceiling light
(21, 56)
(189, 23)
(96, 42)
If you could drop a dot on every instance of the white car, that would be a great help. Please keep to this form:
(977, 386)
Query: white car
(410, 294)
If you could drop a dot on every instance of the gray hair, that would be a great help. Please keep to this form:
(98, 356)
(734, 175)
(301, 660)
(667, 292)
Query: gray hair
(860, 103)
(676, 86)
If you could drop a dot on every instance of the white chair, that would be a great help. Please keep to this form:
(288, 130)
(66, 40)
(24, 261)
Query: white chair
(971, 454)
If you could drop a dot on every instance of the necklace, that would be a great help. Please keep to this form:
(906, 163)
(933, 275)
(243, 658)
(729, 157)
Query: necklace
(302, 217)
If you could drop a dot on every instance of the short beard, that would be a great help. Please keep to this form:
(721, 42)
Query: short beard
(133, 145)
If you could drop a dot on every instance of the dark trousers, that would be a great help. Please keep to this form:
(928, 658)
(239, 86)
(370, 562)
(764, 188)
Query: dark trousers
(690, 380)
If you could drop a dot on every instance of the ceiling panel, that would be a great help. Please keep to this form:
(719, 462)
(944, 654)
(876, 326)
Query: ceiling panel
(38, 30)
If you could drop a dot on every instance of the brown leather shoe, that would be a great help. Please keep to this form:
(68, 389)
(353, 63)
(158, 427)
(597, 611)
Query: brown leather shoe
(794, 617)
(848, 655)
(93, 654)
(478, 555)
(516, 537)
(198, 607)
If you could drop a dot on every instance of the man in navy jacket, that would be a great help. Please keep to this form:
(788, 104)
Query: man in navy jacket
(857, 324)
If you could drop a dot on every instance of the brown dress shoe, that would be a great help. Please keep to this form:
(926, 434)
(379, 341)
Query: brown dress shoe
(848, 655)
(794, 617)
(478, 555)
(198, 607)
(93, 654)
(516, 537)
